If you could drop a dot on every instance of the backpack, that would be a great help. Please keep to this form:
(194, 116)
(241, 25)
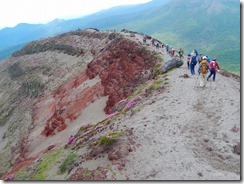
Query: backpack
(194, 60)
(213, 65)
(204, 67)
(181, 52)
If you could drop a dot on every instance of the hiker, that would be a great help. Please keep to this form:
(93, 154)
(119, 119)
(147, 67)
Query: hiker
(157, 45)
(193, 63)
(152, 41)
(199, 58)
(167, 49)
(188, 59)
(181, 52)
(214, 66)
(144, 39)
(172, 52)
(203, 71)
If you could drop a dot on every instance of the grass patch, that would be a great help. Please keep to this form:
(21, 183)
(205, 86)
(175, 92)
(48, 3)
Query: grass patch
(68, 161)
(46, 164)
(110, 138)
(22, 174)
(156, 84)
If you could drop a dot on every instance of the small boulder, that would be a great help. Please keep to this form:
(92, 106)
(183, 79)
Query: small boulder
(173, 63)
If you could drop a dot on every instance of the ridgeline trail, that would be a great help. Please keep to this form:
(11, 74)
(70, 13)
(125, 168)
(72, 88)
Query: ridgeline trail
(177, 132)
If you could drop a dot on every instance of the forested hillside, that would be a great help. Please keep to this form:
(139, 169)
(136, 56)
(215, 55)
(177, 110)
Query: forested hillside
(212, 27)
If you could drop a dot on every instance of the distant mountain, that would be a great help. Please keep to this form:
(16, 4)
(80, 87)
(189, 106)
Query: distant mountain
(23, 33)
(212, 27)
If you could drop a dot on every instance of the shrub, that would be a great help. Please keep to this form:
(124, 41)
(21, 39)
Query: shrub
(15, 71)
(69, 160)
(110, 138)
(32, 88)
(46, 164)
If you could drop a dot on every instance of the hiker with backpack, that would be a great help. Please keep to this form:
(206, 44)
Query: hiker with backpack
(172, 52)
(193, 62)
(167, 49)
(214, 66)
(157, 45)
(203, 71)
(144, 39)
(188, 59)
(181, 52)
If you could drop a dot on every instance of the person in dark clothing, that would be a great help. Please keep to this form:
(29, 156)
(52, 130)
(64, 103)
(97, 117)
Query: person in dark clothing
(193, 63)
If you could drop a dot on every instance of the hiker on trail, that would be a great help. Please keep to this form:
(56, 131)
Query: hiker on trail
(144, 39)
(203, 71)
(188, 59)
(157, 45)
(172, 52)
(193, 63)
(181, 52)
(199, 58)
(167, 49)
(152, 41)
(214, 66)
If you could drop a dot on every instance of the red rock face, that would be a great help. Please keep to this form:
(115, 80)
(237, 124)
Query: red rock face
(66, 104)
(121, 68)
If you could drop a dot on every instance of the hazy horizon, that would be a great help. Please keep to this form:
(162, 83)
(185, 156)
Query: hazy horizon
(14, 12)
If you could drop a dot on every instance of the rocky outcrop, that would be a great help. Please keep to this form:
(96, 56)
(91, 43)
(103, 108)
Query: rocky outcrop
(173, 63)
(122, 67)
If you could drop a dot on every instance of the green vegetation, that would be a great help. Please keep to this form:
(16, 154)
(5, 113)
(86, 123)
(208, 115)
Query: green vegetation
(32, 88)
(156, 84)
(36, 47)
(22, 174)
(15, 71)
(212, 27)
(214, 32)
(68, 161)
(110, 138)
(48, 161)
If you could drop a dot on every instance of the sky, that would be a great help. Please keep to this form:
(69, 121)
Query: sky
(13, 12)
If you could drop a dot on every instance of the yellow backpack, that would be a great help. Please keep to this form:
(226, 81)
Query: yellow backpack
(204, 67)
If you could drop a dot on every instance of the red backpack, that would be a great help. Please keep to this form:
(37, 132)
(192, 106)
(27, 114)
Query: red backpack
(213, 65)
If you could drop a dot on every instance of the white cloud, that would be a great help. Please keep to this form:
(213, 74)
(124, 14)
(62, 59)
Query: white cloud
(13, 12)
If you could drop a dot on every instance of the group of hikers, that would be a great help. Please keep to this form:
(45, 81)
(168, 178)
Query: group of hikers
(205, 64)
(171, 51)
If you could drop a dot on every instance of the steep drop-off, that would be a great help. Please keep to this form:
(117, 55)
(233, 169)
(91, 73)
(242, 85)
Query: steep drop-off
(57, 78)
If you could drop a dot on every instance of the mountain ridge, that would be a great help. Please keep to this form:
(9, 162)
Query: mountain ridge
(129, 120)
(217, 32)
